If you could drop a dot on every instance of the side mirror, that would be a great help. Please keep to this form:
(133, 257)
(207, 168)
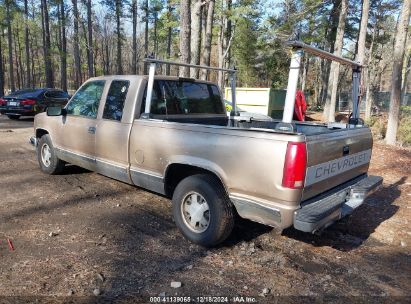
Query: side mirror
(56, 111)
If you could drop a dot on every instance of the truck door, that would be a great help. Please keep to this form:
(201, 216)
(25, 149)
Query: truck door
(113, 130)
(76, 140)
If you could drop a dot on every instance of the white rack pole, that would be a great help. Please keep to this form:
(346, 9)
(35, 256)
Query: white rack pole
(150, 84)
(292, 85)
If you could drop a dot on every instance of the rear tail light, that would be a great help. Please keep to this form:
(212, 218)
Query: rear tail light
(28, 102)
(295, 165)
(2, 102)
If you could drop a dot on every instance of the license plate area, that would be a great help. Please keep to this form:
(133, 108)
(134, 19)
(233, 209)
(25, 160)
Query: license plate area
(13, 103)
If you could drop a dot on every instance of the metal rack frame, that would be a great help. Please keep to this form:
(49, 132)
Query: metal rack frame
(298, 48)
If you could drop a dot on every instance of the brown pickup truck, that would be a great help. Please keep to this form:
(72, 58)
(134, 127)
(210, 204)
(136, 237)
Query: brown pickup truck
(183, 145)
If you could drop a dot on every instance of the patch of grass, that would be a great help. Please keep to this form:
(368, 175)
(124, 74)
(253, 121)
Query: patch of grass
(404, 128)
(379, 128)
(371, 121)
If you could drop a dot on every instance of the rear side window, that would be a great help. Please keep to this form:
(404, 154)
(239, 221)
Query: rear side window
(86, 100)
(173, 97)
(113, 109)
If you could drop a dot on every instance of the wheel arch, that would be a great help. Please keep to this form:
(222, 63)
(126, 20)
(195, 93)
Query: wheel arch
(40, 132)
(176, 172)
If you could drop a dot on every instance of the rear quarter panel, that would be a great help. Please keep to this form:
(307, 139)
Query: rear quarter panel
(249, 163)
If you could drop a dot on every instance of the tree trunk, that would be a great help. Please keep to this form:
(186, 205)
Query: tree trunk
(228, 35)
(329, 109)
(363, 31)
(185, 23)
(155, 43)
(76, 49)
(398, 57)
(46, 47)
(208, 38)
(12, 85)
(63, 53)
(220, 46)
(134, 50)
(368, 70)
(19, 65)
(146, 34)
(195, 36)
(405, 81)
(26, 43)
(1, 70)
(119, 38)
(361, 44)
(220, 51)
(169, 36)
(90, 60)
(330, 35)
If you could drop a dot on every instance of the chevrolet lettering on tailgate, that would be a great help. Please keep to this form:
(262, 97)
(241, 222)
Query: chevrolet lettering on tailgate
(334, 167)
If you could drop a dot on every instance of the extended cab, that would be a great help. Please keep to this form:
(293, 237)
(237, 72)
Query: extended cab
(210, 165)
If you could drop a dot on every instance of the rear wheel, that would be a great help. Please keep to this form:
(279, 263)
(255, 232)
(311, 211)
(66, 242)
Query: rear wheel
(47, 158)
(202, 210)
(14, 117)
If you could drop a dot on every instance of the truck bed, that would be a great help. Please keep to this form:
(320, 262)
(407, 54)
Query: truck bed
(306, 128)
(335, 154)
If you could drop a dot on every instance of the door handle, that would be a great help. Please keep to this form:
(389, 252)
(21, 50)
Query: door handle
(92, 130)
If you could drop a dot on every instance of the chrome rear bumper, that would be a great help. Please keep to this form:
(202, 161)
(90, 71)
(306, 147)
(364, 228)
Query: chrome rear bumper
(323, 210)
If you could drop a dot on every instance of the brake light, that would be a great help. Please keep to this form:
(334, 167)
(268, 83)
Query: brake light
(27, 102)
(295, 165)
(2, 102)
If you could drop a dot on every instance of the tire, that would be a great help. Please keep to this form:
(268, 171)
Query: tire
(13, 117)
(47, 158)
(216, 222)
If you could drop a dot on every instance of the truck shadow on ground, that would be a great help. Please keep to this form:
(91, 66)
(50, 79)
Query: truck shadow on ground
(150, 254)
(352, 231)
(72, 169)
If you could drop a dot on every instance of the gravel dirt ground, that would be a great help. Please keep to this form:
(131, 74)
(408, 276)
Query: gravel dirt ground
(80, 234)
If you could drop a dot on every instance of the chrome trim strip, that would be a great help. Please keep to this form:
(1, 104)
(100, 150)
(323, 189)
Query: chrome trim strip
(114, 164)
(256, 211)
(146, 172)
(148, 181)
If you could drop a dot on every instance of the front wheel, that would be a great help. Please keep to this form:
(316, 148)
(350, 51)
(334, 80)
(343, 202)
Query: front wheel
(202, 210)
(47, 158)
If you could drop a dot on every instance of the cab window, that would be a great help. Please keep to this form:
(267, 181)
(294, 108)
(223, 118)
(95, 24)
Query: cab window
(177, 97)
(86, 100)
(113, 108)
